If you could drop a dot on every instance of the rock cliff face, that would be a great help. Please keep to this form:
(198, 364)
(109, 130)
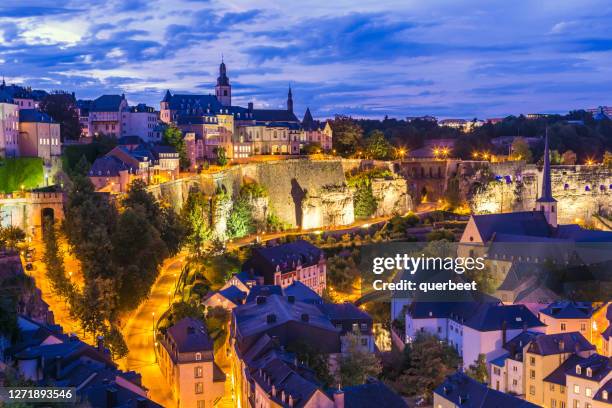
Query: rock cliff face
(581, 191)
(392, 196)
(300, 192)
(328, 205)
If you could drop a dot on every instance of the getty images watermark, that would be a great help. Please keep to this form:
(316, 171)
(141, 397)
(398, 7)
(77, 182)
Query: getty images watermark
(412, 264)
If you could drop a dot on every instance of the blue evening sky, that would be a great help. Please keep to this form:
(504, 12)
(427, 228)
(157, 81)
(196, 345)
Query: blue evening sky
(482, 58)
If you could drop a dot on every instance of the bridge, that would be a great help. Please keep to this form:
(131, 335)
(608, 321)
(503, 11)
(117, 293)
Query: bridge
(27, 210)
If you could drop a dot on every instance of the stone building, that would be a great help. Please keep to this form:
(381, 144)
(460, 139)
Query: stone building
(187, 362)
(106, 116)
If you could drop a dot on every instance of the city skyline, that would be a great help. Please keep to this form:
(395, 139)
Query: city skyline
(395, 59)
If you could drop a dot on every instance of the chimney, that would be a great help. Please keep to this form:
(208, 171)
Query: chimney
(100, 344)
(504, 333)
(339, 398)
(58, 367)
(111, 397)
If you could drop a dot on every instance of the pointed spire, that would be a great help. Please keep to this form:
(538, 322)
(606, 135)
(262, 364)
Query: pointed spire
(546, 195)
(290, 100)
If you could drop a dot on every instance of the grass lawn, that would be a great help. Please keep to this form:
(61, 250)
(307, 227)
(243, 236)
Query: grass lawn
(22, 171)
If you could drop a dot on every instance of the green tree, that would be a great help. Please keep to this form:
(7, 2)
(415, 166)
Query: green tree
(569, 158)
(240, 221)
(217, 321)
(520, 150)
(221, 156)
(174, 137)
(116, 343)
(11, 237)
(478, 369)
(346, 136)
(441, 234)
(357, 363)
(313, 148)
(196, 214)
(377, 147)
(555, 157)
(313, 359)
(425, 364)
(61, 106)
(54, 262)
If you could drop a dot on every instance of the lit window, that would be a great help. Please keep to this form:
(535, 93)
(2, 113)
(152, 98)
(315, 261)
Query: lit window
(198, 356)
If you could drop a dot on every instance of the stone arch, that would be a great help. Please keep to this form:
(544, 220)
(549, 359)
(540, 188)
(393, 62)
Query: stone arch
(47, 213)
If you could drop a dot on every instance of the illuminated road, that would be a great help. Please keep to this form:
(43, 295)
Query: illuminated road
(138, 333)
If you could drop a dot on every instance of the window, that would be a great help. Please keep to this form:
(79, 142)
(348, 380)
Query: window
(199, 388)
(576, 404)
(563, 327)
(198, 356)
(576, 389)
(552, 387)
(515, 382)
(364, 326)
(561, 404)
(604, 395)
(201, 404)
(364, 342)
(553, 403)
(582, 326)
(532, 360)
(532, 389)
(197, 372)
(532, 374)
(587, 392)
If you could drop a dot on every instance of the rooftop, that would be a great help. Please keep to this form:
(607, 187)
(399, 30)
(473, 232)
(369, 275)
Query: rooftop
(190, 335)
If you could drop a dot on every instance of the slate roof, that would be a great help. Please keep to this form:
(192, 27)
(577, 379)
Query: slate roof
(480, 316)
(274, 115)
(558, 375)
(372, 394)
(607, 333)
(343, 311)
(251, 318)
(286, 256)
(600, 367)
(549, 344)
(599, 394)
(302, 293)
(34, 115)
(190, 335)
(464, 391)
(107, 166)
(106, 103)
(517, 343)
(263, 290)
(196, 103)
(129, 140)
(566, 309)
(524, 223)
(233, 294)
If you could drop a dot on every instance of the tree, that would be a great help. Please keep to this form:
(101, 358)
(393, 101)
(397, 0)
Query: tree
(313, 148)
(240, 221)
(11, 237)
(196, 214)
(174, 137)
(62, 108)
(441, 234)
(54, 262)
(357, 364)
(313, 359)
(221, 156)
(569, 158)
(217, 321)
(426, 363)
(478, 370)
(347, 135)
(520, 150)
(377, 147)
(555, 157)
(364, 201)
(116, 343)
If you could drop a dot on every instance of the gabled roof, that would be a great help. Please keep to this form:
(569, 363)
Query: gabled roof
(372, 394)
(464, 391)
(600, 366)
(607, 387)
(263, 290)
(233, 294)
(274, 115)
(34, 115)
(196, 103)
(190, 335)
(302, 293)
(558, 375)
(285, 256)
(343, 311)
(107, 166)
(106, 103)
(524, 223)
(559, 343)
(567, 309)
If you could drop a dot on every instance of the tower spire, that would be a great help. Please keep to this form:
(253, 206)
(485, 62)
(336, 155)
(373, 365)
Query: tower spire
(290, 100)
(546, 203)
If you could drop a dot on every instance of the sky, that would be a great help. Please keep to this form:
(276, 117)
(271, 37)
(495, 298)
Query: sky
(451, 59)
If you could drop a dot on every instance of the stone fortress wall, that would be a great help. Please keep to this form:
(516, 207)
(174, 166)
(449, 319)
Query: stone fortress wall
(581, 191)
(301, 192)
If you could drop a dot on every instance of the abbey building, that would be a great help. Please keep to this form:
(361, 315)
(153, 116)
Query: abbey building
(210, 122)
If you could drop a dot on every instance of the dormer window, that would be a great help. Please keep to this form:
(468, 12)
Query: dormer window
(578, 369)
(589, 372)
(604, 395)
(198, 356)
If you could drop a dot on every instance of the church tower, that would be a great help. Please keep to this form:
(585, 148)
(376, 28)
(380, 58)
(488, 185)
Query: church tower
(290, 101)
(223, 90)
(546, 203)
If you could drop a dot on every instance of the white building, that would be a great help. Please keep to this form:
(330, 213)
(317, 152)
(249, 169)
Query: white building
(141, 120)
(9, 127)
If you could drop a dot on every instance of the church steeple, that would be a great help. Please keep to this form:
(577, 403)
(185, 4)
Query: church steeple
(223, 90)
(546, 203)
(290, 100)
